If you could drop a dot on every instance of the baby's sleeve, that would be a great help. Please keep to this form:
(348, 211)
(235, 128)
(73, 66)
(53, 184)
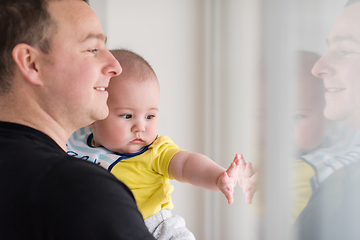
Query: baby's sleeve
(163, 151)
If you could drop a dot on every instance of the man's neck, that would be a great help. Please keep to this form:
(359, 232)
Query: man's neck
(32, 115)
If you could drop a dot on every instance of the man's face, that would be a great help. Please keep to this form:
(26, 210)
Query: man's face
(78, 68)
(339, 67)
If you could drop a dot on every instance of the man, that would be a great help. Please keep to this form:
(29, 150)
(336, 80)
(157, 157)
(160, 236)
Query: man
(339, 68)
(54, 70)
(333, 212)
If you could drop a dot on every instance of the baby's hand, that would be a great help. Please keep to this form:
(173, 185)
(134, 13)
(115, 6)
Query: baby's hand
(227, 181)
(247, 180)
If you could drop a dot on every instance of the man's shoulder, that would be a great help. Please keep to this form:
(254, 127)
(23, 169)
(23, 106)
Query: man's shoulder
(91, 195)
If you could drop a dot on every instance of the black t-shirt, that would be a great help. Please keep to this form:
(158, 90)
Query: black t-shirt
(46, 194)
(333, 211)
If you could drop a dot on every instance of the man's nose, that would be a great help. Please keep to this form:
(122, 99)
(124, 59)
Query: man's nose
(323, 67)
(113, 67)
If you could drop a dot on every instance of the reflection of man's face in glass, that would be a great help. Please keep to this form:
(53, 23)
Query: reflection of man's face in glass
(340, 69)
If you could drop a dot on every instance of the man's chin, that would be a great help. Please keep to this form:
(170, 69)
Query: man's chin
(352, 123)
(102, 114)
(350, 120)
(336, 114)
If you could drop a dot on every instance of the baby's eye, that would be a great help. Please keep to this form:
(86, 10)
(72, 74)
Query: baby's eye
(126, 116)
(299, 116)
(149, 117)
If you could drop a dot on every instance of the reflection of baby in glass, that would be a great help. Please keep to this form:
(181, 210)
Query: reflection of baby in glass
(309, 119)
(126, 143)
(309, 127)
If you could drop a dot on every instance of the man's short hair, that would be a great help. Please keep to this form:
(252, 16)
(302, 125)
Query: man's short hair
(22, 22)
(349, 2)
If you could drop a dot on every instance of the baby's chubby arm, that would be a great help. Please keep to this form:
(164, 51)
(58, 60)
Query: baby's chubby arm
(201, 171)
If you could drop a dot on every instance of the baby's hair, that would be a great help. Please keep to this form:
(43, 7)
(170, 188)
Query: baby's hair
(306, 61)
(133, 65)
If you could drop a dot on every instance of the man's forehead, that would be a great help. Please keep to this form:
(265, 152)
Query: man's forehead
(78, 19)
(342, 38)
(346, 26)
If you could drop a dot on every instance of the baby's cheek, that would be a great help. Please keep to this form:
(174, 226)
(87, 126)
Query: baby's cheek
(307, 136)
(313, 137)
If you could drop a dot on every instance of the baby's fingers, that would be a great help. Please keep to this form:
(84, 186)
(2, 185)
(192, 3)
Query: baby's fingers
(227, 187)
(250, 187)
(242, 163)
(248, 171)
(234, 168)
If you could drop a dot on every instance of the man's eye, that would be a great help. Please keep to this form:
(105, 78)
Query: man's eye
(343, 52)
(126, 116)
(94, 50)
(149, 117)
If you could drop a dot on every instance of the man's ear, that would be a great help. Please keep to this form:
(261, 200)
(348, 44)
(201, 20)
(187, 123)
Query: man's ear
(25, 57)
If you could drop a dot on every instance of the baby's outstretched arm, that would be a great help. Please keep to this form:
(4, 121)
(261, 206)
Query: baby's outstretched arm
(201, 171)
(248, 180)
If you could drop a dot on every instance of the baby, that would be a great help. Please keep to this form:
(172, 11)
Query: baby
(127, 144)
(310, 123)
(309, 127)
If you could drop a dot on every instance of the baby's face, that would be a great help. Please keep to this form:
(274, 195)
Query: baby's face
(132, 122)
(309, 121)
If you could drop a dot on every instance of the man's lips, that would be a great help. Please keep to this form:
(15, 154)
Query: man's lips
(335, 89)
(100, 88)
(333, 92)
